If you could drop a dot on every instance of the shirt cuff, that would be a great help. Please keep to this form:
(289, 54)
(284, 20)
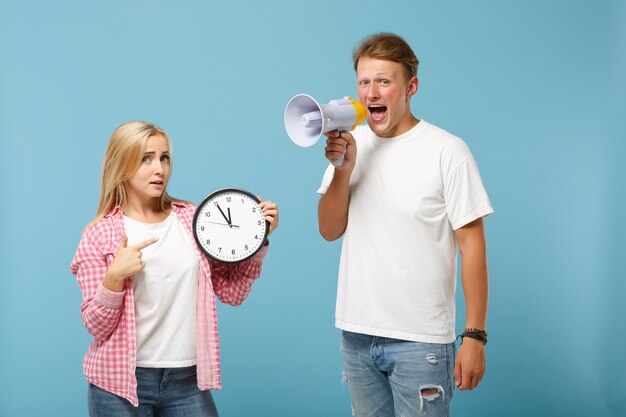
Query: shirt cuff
(474, 216)
(108, 298)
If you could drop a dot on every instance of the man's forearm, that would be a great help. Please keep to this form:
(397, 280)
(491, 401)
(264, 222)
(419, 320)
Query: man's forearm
(474, 273)
(333, 207)
(476, 290)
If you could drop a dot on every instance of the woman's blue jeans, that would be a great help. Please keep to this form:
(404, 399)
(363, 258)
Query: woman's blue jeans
(391, 377)
(164, 392)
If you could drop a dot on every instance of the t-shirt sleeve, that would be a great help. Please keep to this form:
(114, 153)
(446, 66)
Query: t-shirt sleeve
(464, 194)
(326, 180)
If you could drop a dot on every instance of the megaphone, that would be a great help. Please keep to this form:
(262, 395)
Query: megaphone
(306, 120)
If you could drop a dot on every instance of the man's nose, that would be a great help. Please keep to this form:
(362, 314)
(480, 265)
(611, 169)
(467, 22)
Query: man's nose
(372, 92)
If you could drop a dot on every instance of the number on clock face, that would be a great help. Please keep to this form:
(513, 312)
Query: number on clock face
(229, 225)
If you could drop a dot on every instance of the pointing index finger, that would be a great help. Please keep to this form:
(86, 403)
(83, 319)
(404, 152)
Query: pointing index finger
(145, 244)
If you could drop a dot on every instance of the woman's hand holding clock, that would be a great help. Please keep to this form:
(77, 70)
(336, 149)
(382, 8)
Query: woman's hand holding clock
(270, 210)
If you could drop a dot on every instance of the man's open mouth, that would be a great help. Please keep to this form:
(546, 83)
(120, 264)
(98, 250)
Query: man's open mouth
(377, 111)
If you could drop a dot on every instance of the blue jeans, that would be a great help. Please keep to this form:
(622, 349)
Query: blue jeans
(166, 392)
(391, 377)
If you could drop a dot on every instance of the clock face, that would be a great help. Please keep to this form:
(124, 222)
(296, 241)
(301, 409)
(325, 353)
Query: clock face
(229, 225)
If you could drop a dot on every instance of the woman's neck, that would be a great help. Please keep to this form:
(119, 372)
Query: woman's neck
(146, 213)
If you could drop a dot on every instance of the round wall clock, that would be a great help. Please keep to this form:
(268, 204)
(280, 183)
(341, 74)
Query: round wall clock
(229, 225)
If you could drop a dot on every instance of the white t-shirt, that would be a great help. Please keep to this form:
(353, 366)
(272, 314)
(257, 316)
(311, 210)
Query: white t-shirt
(165, 294)
(397, 274)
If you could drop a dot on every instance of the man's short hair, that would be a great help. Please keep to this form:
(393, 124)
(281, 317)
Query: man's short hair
(388, 47)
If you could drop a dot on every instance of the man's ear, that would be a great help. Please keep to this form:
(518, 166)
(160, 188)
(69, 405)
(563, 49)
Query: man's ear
(413, 85)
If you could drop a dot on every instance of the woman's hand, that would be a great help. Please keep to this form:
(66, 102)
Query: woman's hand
(270, 211)
(127, 262)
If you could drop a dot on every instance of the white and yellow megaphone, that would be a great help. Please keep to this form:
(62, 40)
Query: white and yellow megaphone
(306, 120)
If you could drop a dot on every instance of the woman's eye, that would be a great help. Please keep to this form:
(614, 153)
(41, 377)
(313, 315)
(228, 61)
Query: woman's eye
(145, 159)
(165, 158)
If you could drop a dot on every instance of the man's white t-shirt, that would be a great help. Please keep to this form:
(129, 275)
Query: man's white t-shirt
(397, 273)
(165, 294)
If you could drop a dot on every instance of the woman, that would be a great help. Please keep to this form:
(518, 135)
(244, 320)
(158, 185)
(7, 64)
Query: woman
(148, 291)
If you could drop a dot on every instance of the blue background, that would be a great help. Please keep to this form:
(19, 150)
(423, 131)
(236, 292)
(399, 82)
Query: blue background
(536, 88)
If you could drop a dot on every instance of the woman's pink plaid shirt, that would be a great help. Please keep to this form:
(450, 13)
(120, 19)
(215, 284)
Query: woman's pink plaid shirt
(110, 316)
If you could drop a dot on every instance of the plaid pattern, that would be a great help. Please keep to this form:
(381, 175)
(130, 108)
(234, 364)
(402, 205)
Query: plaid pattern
(110, 316)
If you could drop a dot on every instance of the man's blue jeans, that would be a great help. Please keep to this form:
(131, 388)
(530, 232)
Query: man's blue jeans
(391, 377)
(168, 392)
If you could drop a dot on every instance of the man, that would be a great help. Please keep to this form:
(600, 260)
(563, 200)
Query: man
(407, 197)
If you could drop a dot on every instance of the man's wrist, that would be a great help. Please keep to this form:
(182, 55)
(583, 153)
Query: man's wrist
(474, 333)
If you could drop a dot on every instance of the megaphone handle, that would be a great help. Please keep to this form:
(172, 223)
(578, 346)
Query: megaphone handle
(339, 161)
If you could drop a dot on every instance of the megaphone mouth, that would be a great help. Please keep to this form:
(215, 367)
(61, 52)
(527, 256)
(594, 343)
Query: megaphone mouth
(304, 121)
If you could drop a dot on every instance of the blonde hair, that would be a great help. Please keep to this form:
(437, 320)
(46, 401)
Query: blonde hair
(121, 160)
(388, 47)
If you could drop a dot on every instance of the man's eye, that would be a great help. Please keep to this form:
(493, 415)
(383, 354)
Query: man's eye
(384, 82)
(363, 83)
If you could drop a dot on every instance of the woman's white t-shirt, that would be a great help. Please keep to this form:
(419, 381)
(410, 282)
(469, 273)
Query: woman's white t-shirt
(165, 294)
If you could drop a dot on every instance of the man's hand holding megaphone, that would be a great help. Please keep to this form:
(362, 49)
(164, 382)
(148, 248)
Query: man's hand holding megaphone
(341, 145)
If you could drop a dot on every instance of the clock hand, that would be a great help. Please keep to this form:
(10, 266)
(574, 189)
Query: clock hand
(225, 218)
(230, 221)
(221, 224)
